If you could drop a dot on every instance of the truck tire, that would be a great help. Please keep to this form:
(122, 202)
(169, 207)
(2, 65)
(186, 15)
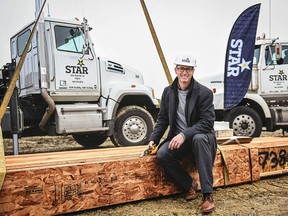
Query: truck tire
(244, 121)
(89, 140)
(133, 126)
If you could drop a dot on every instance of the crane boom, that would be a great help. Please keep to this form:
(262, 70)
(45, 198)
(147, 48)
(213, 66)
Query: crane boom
(156, 42)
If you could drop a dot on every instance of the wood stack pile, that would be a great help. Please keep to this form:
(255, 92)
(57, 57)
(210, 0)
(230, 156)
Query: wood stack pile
(222, 129)
(62, 182)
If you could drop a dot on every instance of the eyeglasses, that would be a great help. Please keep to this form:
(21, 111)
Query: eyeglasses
(182, 69)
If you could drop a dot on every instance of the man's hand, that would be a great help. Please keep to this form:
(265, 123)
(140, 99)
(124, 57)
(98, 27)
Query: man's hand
(151, 145)
(176, 142)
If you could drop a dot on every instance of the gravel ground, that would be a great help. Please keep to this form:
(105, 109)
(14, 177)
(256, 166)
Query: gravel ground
(265, 197)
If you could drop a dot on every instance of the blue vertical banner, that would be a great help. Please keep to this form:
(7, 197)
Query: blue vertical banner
(239, 56)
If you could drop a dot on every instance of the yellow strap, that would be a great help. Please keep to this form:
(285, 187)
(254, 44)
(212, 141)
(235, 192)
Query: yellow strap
(226, 172)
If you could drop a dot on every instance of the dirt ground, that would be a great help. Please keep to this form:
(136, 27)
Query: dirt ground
(268, 196)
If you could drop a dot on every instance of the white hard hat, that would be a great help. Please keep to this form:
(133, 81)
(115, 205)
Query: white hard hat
(186, 59)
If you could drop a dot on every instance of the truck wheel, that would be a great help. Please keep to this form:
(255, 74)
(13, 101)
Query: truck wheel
(244, 121)
(89, 140)
(133, 126)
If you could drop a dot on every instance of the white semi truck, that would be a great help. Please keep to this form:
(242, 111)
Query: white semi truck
(265, 105)
(66, 88)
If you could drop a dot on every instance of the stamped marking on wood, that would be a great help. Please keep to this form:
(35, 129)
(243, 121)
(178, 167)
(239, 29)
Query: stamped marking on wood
(273, 159)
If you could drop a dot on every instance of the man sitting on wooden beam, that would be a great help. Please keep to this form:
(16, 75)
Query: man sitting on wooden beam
(187, 107)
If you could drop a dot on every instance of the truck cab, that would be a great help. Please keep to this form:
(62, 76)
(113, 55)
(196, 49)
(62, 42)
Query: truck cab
(66, 88)
(265, 105)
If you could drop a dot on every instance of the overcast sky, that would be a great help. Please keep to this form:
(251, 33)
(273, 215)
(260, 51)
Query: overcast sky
(120, 31)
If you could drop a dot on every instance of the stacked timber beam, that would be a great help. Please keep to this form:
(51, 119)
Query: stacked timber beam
(272, 155)
(55, 183)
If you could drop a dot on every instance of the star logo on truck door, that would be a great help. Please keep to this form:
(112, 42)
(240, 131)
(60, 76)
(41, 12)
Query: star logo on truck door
(244, 65)
(80, 63)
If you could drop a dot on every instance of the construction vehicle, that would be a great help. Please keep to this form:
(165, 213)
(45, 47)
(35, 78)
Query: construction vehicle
(65, 88)
(265, 105)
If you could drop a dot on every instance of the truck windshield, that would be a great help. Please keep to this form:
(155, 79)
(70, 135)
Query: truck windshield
(69, 39)
(271, 60)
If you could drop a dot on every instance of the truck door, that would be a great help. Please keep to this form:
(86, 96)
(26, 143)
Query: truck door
(28, 82)
(73, 73)
(274, 77)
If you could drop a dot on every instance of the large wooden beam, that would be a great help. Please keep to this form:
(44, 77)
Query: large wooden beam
(272, 155)
(62, 182)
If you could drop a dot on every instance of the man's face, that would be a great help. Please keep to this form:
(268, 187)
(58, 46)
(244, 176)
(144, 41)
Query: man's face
(184, 73)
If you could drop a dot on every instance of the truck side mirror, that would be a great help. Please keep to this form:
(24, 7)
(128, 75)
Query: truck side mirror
(86, 31)
(72, 32)
(278, 53)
